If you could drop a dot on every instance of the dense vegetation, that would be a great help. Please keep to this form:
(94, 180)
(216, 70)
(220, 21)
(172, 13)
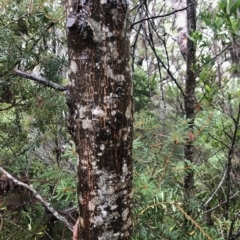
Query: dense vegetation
(37, 149)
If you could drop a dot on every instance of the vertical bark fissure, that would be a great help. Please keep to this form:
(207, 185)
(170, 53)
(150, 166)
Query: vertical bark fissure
(189, 103)
(99, 97)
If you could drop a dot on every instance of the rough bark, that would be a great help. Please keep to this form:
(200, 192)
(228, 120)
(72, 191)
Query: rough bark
(99, 97)
(181, 24)
(189, 101)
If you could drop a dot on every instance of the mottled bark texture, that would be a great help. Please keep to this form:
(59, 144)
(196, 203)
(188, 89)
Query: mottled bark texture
(185, 22)
(189, 102)
(181, 25)
(99, 97)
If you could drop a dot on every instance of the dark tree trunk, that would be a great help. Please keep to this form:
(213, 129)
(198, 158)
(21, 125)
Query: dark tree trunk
(185, 22)
(190, 103)
(99, 97)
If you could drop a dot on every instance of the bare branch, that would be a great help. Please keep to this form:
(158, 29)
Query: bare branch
(222, 203)
(160, 16)
(39, 197)
(40, 80)
(216, 190)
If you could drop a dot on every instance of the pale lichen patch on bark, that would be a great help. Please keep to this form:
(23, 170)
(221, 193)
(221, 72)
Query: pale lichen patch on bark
(97, 65)
(82, 111)
(103, 198)
(106, 58)
(98, 221)
(91, 206)
(106, 196)
(105, 29)
(72, 83)
(109, 235)
(114, 207)
(110, 34)
(126, 134)
(102, 147)
(119, 78)
(127, 224)
(113, 112)
(125, 214)
(98, 112)
(110, 100)
(128, 112)
(103, 1)
(84, 162)
(86, 124)
(96, 30)
(112, 49)
(125, 172)
(115, 15)
(73, 66)
(110, 72)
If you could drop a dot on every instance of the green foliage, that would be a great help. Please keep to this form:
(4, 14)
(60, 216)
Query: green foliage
(35, 144)
(33, 132)
(51, 67)
(158, 173)
(225, 23)
(144, 87)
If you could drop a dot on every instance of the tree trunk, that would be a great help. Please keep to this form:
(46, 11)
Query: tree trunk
(190, 103)
(99, 97)
(185, 22)
(181, 25)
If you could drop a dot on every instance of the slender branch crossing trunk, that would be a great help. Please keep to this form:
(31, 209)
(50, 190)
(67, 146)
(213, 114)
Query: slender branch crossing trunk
(99, 97)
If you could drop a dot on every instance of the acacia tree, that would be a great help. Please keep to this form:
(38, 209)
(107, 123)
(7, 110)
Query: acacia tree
(99, 97)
